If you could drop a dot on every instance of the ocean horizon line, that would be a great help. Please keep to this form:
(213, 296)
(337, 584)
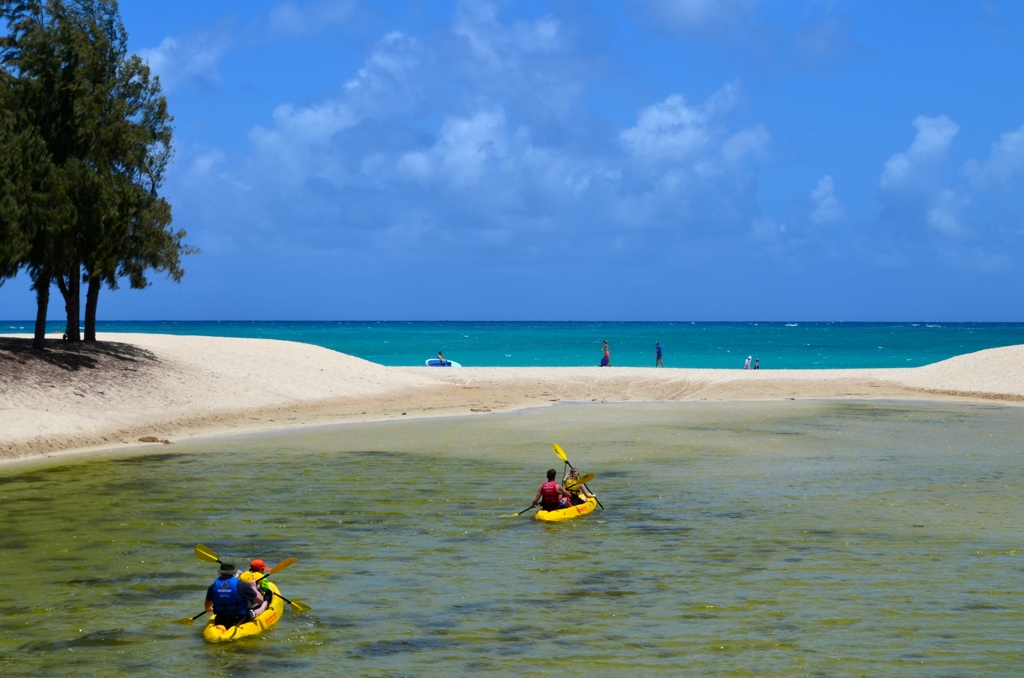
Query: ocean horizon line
(609, 322)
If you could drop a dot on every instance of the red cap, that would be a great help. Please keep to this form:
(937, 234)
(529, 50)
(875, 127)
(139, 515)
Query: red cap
(258, 565)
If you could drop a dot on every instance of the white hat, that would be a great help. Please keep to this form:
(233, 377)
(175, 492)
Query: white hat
(749, 357)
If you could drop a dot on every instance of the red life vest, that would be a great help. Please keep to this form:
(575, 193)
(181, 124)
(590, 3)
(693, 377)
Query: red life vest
(549, 493)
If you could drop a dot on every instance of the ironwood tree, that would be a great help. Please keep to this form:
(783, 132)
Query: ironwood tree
(104, 124)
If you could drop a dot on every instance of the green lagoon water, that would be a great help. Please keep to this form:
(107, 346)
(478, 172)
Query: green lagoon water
(767, 539)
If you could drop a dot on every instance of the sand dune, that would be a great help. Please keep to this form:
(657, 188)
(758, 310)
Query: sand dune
(164, 387)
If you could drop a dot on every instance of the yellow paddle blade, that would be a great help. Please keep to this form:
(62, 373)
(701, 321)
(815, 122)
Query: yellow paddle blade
(287, 562)
(204, 553)
(560, 452)
(582, 481)
(300, 607)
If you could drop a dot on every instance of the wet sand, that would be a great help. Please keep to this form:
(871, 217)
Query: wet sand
(133, 388)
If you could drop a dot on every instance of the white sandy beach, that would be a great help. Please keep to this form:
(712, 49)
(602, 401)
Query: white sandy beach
(132, 386)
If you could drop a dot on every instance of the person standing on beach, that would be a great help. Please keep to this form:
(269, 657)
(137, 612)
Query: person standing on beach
(606, 361)
(746, 365)
(657, 353)
(757, 363)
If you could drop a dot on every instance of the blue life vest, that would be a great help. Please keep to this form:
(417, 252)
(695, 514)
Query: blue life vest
(226, 599)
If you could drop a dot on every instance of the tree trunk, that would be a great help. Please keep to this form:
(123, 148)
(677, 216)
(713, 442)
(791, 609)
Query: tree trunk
(72, 292)
(42, 286)
(92, 299)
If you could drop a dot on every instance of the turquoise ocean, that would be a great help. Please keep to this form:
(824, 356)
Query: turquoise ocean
(778, 345)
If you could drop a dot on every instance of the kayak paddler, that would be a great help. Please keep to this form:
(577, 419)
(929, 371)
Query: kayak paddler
(259, 567)
(579, 491)
(262, 602)
(551, 495)
(230, 599)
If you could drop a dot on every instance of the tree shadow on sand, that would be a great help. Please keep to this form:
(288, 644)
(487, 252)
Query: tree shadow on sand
(17, 353)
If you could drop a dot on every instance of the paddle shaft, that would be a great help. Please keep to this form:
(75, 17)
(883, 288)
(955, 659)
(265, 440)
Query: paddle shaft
(189, 620)
(278, 593)
(207, 554)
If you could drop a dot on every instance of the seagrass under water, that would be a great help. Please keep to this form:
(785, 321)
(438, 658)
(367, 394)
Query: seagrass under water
(860, 538)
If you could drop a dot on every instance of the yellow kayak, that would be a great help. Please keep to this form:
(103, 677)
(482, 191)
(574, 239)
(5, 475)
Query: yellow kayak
(217, 634)
(567, 513)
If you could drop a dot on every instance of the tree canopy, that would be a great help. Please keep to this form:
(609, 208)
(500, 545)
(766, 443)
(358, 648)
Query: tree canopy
(85, 139)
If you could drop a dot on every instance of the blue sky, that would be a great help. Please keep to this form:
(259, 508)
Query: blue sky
(563, 160)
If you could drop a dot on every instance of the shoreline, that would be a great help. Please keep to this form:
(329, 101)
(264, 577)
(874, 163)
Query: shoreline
(99, 398)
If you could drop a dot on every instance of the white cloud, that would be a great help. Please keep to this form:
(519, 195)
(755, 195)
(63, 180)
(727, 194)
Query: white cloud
(827, 208)
(914, 187)
(1005, 160)
(919, 194)
(943, 216)
(377, 154)
(294, 19)
(313, 124)
(530, 66)
(905, 170)
(416, 164)
(304, 126)
(463, 150)
(179, 61)
(672, 129)
(392, 57)
(676, 130)
(205, 161)
(195, 57)
(299, 143)
(387, 77)
(750, 141)
(493, 42)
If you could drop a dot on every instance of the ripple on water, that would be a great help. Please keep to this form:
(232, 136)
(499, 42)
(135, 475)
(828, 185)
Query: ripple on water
(746, 539)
